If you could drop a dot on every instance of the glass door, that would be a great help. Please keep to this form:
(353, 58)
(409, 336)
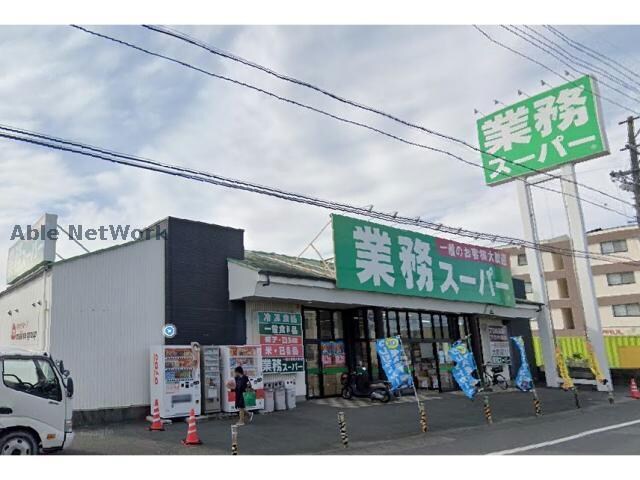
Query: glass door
(425, 365)
(332, 351)
(445, 366)
(313, 370)
(325, 358)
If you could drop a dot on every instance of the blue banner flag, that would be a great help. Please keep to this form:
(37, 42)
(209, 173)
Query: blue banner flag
(465, 366)
(524, 381)
(393, 361)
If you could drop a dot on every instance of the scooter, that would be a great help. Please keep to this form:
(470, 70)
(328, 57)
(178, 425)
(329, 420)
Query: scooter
(357, 384)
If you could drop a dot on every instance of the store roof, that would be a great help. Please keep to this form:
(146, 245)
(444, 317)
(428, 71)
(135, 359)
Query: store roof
(299, 267)
(278, 264)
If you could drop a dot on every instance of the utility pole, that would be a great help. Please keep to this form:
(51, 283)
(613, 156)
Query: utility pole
(632, 184)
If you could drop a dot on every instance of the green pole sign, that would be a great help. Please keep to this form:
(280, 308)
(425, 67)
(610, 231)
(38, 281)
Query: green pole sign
(378, 258)
(543, 132)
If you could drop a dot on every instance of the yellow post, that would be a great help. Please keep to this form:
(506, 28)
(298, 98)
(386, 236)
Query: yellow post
(487, 410)
(342, 425)
(234, 440)
(537, 407)
(594, 365)
(423, 418)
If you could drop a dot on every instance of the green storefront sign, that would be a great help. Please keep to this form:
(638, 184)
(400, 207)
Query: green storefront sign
(559, 126)
(378, 258)
(281, 342)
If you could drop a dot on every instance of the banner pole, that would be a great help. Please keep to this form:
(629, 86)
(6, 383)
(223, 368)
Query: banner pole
(467, 340)
(409, 365)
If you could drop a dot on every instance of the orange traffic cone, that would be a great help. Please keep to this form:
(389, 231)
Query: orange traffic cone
(633, 388)
(156, 423)
(192, 434)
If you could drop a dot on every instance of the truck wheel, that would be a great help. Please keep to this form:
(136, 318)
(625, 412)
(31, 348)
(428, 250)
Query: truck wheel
(19, 442)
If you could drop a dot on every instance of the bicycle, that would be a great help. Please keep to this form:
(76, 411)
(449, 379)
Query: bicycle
(492, 375)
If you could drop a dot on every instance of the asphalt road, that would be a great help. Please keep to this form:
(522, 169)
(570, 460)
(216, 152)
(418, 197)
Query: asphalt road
(456, 426)
(595, 430)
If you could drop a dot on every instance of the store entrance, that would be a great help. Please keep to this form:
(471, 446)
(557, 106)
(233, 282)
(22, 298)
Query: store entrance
(324, 351)
(432, 365)
(338, 341)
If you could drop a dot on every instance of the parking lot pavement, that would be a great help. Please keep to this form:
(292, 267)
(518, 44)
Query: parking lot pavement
(312, 427)
(598, 429)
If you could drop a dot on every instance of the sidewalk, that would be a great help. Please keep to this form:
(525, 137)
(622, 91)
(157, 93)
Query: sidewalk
(312, 427)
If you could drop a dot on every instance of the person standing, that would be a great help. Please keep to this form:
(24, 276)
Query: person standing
(242, 384)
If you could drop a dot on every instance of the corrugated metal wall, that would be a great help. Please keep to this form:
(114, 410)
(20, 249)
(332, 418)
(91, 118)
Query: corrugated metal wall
(107, 310)
(252, 309)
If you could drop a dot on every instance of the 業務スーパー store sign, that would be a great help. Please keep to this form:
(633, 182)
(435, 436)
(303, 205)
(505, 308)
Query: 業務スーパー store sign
(377, 258)
(281, 342)
(559, 126)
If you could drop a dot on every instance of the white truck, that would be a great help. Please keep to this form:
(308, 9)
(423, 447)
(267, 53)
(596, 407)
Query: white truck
(35, 403)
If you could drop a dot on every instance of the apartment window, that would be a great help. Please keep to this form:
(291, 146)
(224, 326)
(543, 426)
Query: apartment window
(622, 278)
(563, 288)
(522, 259)
(567, 319)
(558, 262)
(614, 246)
(527, 287)
(626, 310)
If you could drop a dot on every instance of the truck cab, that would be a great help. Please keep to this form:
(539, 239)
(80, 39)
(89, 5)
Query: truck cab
(35, 403)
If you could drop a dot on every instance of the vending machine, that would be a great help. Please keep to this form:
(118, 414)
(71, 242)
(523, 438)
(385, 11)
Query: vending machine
(249, 357)
(210, 378)
(175, 379)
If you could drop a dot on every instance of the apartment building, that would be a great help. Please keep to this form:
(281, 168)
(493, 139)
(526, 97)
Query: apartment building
(617, 284)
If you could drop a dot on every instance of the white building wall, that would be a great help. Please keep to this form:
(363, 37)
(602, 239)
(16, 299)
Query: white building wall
(252, 308)
(26, 307)
(547, 262)
(618, 325)
(515, 268)
(606, 290)
(557, 319)
(611, 325)
(108, 308)
(633, 247)
(552, 290)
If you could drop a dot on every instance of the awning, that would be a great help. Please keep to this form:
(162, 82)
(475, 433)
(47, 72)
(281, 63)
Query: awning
(275, 277)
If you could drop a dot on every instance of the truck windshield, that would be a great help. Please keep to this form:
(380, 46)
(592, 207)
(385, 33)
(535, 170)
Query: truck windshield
(34, 376)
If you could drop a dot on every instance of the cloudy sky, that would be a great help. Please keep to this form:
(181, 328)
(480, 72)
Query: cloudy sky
(70, 84)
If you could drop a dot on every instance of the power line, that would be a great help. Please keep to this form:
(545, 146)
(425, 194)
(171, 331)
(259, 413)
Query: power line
(359, 124)
(607, 60)
(546, 67)
(47, 141)
(216, 51)
(563, 56)
(610, 43)
(581, 61)
(77, 242)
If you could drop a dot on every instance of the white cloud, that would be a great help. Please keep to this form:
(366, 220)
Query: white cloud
(95, 91)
